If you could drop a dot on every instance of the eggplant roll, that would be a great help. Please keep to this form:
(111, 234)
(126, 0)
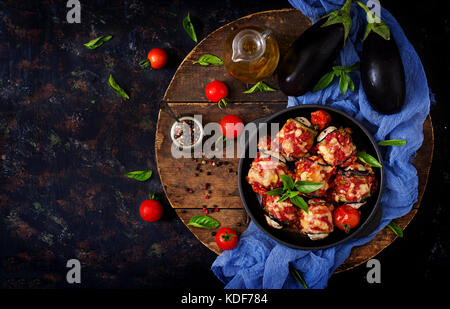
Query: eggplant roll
(336, 146)
(264, 173)
(295, 139)
(283, 212)
(315, 169)
(317, 223)
(354, 184)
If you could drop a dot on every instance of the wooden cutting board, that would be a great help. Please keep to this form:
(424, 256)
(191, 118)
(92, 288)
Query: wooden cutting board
(184, 180)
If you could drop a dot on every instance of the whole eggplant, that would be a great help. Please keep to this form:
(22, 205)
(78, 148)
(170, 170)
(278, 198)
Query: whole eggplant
(313, 53)
(382, 72)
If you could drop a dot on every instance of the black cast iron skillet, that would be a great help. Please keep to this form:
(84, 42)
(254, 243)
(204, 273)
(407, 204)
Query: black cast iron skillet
(370, 212)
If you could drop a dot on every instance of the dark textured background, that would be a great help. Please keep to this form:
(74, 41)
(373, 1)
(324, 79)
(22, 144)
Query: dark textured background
(67, 139)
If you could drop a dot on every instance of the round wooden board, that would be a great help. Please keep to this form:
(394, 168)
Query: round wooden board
(185, 95)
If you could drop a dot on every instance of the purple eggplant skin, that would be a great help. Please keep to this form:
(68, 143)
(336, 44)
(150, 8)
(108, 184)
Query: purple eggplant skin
(310, 57)
(382, 74)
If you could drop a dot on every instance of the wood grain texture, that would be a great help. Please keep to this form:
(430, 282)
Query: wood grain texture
(190, 79)
(221, 178)
(186, 97)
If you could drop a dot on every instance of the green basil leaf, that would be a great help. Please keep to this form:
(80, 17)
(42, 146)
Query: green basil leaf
(368, 159)
(97, 42)
(396, 229)
(140, 175)
(288, 183)
(392, 142)
(297, 276)
(346, 69)
(276, 191)
(284, 197)
(324, 81)
(145, 64)
(203, 222)
(112, 83)
(293, 193)
(208, 59)
(343, 83)
(351, 68)
(299, 202)
(259, 86)
(308, 186)
(189, 27)
(265, 87)
(351, 85)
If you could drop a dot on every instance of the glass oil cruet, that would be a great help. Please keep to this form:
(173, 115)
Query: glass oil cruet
(251, 54)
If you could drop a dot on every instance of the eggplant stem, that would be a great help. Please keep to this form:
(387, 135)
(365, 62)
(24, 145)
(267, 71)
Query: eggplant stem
(375, 24)
(341, 16)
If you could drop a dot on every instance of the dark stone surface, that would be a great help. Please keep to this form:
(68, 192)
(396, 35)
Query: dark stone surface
(66, 140)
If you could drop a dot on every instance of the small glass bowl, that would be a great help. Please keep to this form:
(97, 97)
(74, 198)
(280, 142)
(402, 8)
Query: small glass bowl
(200, 138)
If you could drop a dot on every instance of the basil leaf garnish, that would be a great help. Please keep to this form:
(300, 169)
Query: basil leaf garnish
(276, 191)
(392, 142)
(396, 229)
(343, 83)
(284, 197)
(288, 183)
(293, 194)
(97, 42)
(112, 83)
(189, 27)
(308, 186)
(368, 159)
(140, 175)
(145, 64)
(297, 276)
(324, 81)
(299, 202)
(259, 86)
(351, 85)
(208, 59)
(203, 222)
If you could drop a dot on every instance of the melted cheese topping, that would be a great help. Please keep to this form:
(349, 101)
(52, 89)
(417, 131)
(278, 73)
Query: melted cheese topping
(283, 211)
(319, 219)
(266, 173)
(336, 147)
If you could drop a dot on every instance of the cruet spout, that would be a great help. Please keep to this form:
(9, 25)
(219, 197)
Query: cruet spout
(249, 45)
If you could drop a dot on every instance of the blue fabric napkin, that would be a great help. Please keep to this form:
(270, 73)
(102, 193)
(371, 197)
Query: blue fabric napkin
(260, 262)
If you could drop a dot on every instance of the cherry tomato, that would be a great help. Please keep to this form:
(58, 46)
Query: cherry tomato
(226, 238)
(157, 58)
(346, 217)
(231, 126)
(320, 118)
(216, 91)
(151, 210)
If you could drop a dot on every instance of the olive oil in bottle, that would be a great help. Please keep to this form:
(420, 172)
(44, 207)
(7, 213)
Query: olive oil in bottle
(251, 54)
